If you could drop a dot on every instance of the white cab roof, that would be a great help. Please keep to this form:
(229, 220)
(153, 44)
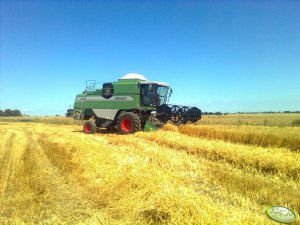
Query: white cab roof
(133, 76)
(155, 82)
(143, 79)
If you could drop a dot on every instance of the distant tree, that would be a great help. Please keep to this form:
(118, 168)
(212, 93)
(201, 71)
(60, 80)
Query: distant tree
(1, 113)
(214, 113)
(16, 112)
(7, 112)
(268, 112)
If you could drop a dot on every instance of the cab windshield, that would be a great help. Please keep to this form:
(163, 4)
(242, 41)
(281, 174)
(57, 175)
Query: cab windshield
(153, 94)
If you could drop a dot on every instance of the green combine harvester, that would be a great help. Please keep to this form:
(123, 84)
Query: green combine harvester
(129, 105)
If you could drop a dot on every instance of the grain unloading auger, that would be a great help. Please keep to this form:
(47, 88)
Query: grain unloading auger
(129, 105)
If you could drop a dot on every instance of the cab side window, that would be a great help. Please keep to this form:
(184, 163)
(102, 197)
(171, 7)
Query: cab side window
(146, 98)
(107, 90)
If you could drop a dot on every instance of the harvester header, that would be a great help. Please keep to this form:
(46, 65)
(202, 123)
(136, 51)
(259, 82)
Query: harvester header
(131, 104)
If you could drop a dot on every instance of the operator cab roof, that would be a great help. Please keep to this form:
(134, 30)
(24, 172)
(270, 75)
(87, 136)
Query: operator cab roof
(130, 76)
(143, 80)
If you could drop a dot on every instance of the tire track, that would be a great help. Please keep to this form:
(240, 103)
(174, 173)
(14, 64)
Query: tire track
(7, 161)
(62, 195)
(33, 189)
(12, 180)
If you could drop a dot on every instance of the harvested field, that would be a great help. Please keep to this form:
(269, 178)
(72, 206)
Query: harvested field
(56, 174)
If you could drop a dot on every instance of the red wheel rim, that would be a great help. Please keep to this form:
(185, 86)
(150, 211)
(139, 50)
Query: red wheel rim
(87, 128)
(126, 124)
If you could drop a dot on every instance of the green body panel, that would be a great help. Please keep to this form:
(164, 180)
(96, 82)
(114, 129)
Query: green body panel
(122, 89)
(149, 126)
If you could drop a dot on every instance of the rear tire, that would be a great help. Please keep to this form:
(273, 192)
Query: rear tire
(89, 127)
(129, 123)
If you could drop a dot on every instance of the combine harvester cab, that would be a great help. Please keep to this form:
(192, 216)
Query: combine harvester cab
(129, 105)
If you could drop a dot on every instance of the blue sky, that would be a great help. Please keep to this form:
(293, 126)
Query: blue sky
(224, 56)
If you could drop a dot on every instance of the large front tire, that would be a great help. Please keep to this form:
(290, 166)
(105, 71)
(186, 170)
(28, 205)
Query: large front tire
(129, 123)
(89, 127)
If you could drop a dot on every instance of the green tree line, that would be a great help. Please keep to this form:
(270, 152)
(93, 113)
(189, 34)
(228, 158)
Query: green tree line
(10, 112)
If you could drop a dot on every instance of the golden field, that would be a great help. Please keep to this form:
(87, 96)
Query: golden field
(53, 173)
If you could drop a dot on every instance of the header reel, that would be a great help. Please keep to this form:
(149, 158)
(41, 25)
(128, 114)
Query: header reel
(177, 114)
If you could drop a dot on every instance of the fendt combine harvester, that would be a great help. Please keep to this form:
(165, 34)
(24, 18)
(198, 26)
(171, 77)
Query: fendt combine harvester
(129, 105)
